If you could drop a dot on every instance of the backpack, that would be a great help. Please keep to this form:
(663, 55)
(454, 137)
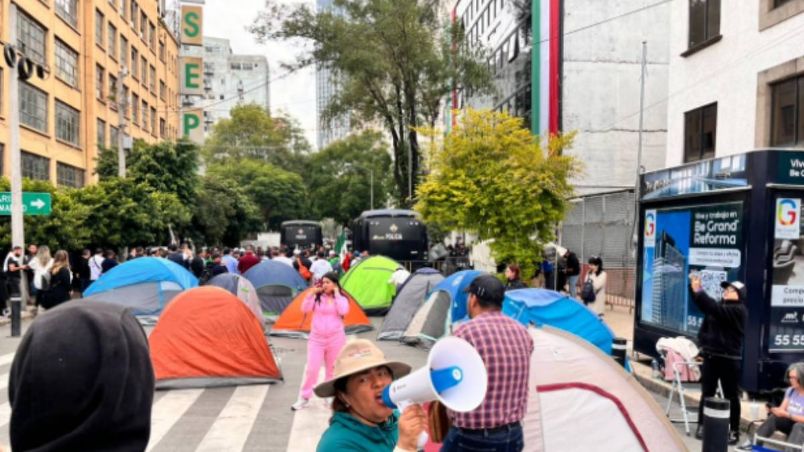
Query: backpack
(303, 270)
(588, 292)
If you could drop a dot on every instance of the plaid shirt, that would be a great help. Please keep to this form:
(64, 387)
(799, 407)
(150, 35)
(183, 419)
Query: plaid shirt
(505, 347)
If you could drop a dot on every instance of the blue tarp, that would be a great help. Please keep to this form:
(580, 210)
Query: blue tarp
(272, 273)
(454, 285)
(142, 270)
(547, 307)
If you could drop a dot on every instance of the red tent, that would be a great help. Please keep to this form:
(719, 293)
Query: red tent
(208, 337)
(294, 323)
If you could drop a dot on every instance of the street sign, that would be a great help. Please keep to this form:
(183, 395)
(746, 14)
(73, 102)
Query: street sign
(32, 203)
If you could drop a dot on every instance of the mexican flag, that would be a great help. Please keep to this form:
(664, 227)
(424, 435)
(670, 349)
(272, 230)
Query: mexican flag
(340, 245)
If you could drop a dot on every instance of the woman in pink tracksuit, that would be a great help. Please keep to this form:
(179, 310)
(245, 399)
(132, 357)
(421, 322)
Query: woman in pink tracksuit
(328, 306)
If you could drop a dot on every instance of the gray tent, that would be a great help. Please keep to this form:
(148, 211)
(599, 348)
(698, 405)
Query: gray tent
(431, 322)
(408, 300)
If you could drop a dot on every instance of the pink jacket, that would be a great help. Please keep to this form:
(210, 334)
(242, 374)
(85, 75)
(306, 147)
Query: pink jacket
(327, 314)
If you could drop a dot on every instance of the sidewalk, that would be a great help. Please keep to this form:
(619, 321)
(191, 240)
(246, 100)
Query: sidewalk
(622, 324)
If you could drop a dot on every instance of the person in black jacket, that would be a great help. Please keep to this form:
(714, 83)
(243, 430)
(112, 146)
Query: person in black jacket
(721, 342)
(512, 278)
(572, 271)
(58, 290)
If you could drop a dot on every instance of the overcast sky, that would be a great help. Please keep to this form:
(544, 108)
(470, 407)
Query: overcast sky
(294, 94)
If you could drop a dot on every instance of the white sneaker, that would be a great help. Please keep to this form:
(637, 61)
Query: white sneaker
(300, 404)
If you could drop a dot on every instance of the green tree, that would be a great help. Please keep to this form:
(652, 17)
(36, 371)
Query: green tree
(252, 133)
(492, 178)
(396, 61)
(279, 195)
(223, 213)
(339, 177)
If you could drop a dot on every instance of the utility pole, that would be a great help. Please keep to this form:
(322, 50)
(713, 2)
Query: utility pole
(637, 187)
(122, 105)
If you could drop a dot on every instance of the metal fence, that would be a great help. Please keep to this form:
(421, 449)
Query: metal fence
(603, 225)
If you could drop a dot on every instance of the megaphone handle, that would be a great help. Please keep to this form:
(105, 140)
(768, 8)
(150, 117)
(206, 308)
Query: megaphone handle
(423, 437)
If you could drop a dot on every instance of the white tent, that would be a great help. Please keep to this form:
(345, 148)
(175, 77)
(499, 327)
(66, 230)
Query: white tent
(582, 400)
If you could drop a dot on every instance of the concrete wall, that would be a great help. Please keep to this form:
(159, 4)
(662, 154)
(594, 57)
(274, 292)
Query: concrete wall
(601, 87)
(730, 72)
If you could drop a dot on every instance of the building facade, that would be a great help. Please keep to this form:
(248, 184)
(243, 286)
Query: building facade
(327, 83)
(229, 80)
(575, 65)
(87, 44)
(736, 78)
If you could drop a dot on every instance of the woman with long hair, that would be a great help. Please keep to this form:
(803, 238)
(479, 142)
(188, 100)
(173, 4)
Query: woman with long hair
(513, 279)
(40, 266)
(60, 279)
(598, 278)
(328, 306)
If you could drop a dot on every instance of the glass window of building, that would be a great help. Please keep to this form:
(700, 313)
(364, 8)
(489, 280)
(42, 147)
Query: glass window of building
(153, 120)
(31, 38)
(33, 107)
(35, 166)
(100, 82)
(135, 109)
(69, 176)
(99, 24)
(112, 35)
(68, 121)
(144, 115)
(700, 133)
(144, 71)
(114, 135)
(68, 10)
(152, 79)
(101, 134)
(66, 64)
(135, 60)
(787, 107)
(704, 21)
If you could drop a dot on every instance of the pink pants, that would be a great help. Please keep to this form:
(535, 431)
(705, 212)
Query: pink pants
(320, 349)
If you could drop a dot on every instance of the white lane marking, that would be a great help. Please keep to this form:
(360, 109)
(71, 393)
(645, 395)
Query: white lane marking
(233, 425)
(5, 414)
(4, 381)
(310, 423)
(168, 410)
(6, 359)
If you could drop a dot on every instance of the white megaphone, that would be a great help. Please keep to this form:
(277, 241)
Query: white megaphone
(454, 375)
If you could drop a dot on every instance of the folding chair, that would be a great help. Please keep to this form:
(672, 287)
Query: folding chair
(773, 442)
(678, 388)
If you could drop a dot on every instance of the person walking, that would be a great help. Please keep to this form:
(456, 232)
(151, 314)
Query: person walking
(96, 265)
(40, 266)
(328, 306)
(58, 290)
(721, 340)
(247, 261)
(505, 347)
(13, 267)
(110, 262)
(572, 269)
(512, 278)
(83, 272)
(320, 267)
(598, 278)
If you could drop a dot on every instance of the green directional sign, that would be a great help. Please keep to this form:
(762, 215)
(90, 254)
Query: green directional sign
(32, 203)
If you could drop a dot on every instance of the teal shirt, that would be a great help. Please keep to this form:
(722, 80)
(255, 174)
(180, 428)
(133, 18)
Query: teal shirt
(345, 433)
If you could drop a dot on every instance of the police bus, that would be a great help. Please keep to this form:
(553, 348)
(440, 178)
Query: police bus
(398, 234)
(301, 234)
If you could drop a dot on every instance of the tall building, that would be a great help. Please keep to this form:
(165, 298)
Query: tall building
(86, 44)
(669, 285)
(229, 80)
(575, 65)
(736, 78)
(326, 87)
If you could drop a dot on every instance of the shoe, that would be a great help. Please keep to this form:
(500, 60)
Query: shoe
(300, 404)
(746, 445)
(734, 438)
(699, 432)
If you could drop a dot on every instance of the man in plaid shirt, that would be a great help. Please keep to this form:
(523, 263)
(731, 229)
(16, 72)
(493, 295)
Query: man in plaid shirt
(505, 347)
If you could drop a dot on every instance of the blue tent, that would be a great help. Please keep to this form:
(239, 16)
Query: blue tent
(546, 307)
(276, 285)
(455, 285)
(145, 285)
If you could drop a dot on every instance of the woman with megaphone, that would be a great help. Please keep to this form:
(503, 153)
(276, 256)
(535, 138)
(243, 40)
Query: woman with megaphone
(361, 421)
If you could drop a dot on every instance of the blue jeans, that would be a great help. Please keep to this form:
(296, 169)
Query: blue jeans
(572, 282)
(505, 439)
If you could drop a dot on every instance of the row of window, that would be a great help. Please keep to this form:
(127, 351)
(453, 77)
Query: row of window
(478, 17)
(34, 114)
(704, 20)
(786, 129)
(38, 167)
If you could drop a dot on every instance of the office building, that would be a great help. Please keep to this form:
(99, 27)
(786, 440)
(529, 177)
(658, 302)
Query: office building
(327, 84)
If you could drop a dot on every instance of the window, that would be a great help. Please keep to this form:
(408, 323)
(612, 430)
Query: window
(123, 51)
(135, 14)
(35, 166)
(125, 101)
(114, 136)
(135, 108)
(67, 123)
(112, 47)
(66, 64)
(99, 28)
(144, 71)
(152, 35)
(144, 115)
(162, 90)
(101, 134)
(143, 26)
(124, 8)
(69, 176)
(33, 107)
(31, 38)
(100, 82)
(162, 127)
(153, 120)
(68, 10)
(152, 79)
(162, 51)
(113, 91)
(704, 21)
(700, 133)
(135, 60)
(787, 123)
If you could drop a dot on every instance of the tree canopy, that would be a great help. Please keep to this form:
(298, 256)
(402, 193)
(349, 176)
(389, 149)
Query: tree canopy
(492, 177)
(223, 212)
(396, 62)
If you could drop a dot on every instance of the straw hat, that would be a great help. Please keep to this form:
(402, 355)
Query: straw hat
(357, 356)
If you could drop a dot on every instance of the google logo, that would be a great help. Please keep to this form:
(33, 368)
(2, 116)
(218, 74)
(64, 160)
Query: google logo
(650, 225)
(786, 212)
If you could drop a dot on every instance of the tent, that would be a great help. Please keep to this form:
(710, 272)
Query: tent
(580, 399)
(276, 285)
(208, 337)
(546, 307)
(369, 283)
(242, 289)
(294, 323)
(432, 321)
(408, 300)
(145, 285)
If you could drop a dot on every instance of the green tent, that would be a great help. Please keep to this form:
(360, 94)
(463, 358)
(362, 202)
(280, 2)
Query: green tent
(369, 284)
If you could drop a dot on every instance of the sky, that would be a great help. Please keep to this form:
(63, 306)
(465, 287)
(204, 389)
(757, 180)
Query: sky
(294, 94)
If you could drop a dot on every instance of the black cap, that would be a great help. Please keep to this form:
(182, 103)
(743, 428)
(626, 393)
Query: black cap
(738, 286)
(487, 288)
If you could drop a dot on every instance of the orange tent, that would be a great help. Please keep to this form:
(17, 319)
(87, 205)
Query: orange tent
(294, 323)
(207, 337)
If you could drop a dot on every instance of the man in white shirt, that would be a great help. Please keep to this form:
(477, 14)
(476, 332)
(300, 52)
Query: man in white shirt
(320, 267)
(96, 265)
(283, 258)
